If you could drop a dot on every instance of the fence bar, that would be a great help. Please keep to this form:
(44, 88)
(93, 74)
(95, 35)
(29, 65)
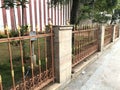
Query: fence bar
(39, 58)
(108, 35)
(11, 63)
(31, 60)
(22, 60)
(84, 44)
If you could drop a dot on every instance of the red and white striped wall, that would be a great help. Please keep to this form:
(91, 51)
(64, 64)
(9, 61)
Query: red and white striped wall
(37, 13)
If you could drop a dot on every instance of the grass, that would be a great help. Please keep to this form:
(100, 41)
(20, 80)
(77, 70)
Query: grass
(5, 71)
(6, 75)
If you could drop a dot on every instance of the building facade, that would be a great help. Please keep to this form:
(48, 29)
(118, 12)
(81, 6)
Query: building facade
(36, 13)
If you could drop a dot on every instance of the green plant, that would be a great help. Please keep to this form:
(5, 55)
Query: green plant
(3, 36)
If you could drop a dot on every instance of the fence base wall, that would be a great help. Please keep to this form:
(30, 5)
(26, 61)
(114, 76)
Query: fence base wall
(63, 52)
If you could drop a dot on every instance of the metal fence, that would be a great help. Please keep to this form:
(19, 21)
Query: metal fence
(85, 43)
(31, 71)
(108, 35)
(117, 32)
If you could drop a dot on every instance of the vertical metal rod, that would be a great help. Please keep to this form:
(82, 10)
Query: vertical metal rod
(11, 63)
(39, 59)
(79, 44)
(84, 40)
(31, 60)
(22, 61)
(46, 59)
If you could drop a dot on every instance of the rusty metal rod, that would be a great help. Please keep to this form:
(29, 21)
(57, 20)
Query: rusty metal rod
(22, 60)
(11, 63)
(39, 58)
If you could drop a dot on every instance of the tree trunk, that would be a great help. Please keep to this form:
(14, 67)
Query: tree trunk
(74, 11)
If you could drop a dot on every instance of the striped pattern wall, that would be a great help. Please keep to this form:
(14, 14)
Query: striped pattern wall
(37, 13)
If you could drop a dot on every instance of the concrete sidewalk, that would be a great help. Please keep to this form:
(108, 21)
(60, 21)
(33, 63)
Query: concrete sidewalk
(103, 74)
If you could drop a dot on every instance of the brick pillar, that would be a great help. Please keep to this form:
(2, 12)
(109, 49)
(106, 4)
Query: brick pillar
(101, 37)
(63, 53)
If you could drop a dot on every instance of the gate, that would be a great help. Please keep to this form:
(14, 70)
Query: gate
(85, 43)
(31, 64)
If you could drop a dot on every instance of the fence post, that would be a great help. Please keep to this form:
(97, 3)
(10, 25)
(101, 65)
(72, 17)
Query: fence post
(101, 37)
(113, 33)
(63, 53)
(1, 88)
(119, 31)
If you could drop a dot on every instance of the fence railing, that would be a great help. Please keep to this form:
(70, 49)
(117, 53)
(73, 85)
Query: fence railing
(117, 32)
(85, 43)
(108, 35)
(27, 62)
(30, 61)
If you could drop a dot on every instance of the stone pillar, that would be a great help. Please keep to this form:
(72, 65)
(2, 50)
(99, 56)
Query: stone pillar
(113, 33)
(119, 30)
(63, 53)
(101, 37)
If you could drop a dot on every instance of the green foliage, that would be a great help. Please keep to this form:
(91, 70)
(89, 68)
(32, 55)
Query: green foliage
(57, 2)
(3, 36)
(8, 4)
(24, 30)
(11, 3)
(85, 12)
(22, 3)
(105, 5)
(101, 18)
(14, 33)
(90, 9)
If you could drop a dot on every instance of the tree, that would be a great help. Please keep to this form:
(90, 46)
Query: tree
(88, 8)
